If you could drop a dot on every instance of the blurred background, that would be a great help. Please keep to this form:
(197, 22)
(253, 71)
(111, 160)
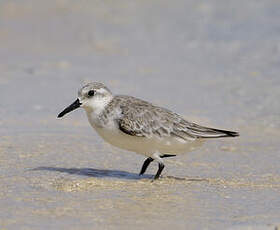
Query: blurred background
(215, 62)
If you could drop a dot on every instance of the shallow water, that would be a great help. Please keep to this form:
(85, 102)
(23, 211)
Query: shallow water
(215, 63)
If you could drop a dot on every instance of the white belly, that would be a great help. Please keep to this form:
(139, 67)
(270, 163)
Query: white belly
(147, 146)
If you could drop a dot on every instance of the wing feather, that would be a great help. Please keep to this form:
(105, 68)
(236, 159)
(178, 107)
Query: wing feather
(142, 119)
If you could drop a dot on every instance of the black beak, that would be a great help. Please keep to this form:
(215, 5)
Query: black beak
(76, 104)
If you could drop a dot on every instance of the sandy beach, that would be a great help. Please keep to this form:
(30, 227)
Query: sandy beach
(214, 62)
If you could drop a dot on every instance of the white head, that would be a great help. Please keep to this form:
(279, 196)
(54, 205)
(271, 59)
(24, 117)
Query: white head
(93, 97)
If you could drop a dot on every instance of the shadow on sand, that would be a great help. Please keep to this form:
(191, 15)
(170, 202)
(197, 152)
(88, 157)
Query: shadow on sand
(90, 172)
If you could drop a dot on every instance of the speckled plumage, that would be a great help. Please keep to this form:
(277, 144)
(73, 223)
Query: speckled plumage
(143, 119)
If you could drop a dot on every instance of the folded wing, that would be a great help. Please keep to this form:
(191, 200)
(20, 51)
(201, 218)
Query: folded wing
(143, 119)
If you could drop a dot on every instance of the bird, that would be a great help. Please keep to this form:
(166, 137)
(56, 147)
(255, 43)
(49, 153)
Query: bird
(139, 126)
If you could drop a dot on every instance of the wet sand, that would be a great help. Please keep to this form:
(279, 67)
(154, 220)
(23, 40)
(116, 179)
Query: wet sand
(215, 63)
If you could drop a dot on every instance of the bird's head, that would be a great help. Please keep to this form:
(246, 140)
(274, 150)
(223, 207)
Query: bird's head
(93, 97)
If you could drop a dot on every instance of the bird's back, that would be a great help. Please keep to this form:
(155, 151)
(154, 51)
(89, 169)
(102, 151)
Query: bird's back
(140, 118)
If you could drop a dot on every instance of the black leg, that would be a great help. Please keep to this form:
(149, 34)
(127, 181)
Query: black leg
(160, 168)
(145, 165)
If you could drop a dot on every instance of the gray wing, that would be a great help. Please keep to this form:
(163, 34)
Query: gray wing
(143, 119)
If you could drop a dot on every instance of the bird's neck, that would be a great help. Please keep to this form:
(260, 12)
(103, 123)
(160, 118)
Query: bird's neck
(95, 112)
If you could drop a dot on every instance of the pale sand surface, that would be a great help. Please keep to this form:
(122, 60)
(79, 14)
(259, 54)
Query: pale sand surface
(215, 62)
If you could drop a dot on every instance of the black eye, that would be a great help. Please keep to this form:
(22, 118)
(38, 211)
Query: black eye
(91, 93)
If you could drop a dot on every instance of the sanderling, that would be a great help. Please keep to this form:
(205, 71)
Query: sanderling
(139, 126)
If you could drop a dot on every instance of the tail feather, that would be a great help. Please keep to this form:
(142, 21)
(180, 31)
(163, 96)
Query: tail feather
(205, 132)
(226, 133)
